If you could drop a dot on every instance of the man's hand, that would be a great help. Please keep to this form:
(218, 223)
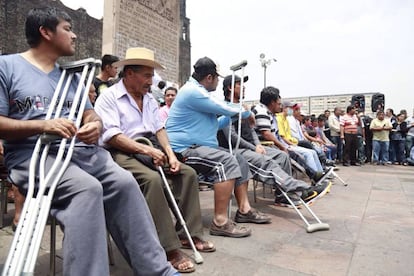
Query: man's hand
(174, 164)
(90, 132)
(260, 149)
(158, 157)
(62, 127)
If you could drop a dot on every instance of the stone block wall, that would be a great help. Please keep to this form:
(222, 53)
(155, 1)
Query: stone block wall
(12, 19)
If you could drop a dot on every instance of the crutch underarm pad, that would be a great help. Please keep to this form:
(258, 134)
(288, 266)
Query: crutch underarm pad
(77, 66)
(317, 227)
(238, 66)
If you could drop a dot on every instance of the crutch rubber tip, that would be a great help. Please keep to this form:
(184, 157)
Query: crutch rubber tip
(317, 227)
(198, 258)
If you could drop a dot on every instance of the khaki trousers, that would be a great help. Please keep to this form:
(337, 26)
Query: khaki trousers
(184, 186)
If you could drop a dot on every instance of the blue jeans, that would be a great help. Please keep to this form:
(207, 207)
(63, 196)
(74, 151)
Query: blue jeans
(361, 150)
(311, 157)
(409, 142)
(337, 141)
(380, 151)
(398, 147)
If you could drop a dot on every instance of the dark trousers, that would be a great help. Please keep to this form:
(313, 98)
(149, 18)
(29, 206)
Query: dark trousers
(368, 149)
(351, 147)
(339, 147)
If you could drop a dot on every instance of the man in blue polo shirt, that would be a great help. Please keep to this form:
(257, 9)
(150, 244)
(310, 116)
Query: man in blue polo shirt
(192, 128)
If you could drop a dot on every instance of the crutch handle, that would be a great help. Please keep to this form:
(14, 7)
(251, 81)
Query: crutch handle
(48, 138)
(239, 65)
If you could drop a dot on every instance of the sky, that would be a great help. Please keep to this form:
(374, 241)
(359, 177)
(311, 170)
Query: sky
(321, 47)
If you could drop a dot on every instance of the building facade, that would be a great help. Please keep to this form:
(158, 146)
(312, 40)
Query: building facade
(317, 105)
(12, 21)
(90, 30)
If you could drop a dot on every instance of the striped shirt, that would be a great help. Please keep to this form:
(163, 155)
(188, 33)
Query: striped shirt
(265, 120)
(350, 123)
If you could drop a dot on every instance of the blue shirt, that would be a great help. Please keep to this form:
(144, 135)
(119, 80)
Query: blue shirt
(25, 94)
(195, 117)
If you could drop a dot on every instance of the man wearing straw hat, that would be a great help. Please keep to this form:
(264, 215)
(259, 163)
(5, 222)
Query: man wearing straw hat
(129, 112)
(94, 193)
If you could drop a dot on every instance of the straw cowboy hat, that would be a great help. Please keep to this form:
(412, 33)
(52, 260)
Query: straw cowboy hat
(139, 56)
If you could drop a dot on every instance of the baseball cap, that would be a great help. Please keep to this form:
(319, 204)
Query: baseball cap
(227, 80)
(205, 66)
(296, 106)
(287, 104)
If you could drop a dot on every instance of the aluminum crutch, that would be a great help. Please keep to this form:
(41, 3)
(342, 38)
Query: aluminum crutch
(26, 243)
(338, 177)
(239, 66)
(197, 256)
(310, 227)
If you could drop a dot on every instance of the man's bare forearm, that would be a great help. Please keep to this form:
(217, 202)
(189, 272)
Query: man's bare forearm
(11, 129)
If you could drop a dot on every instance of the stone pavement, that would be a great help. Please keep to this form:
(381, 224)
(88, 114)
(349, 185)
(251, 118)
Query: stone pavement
(371, 221)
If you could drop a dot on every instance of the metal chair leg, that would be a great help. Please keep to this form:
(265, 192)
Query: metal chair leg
(3, 203)
(52, 263)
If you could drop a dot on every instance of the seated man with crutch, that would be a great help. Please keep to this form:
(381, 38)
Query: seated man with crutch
(268, 130)
(94, 193)
(192, 128)
(262, 162)
(129, 112)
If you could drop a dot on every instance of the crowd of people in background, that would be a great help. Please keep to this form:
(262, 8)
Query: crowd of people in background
(384, 140)
(388, 141)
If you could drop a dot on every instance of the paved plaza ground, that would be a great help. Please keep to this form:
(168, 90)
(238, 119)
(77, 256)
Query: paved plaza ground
(371, 232)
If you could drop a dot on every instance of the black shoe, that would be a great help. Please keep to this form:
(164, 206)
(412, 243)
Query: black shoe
(355, 164)
(309, 194)
(281, 200)
(330, 163)
(346, 164)
(321, 190)
(318, 176)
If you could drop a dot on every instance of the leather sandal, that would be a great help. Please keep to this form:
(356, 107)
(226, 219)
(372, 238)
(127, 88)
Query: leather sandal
(178, 260)
(201, 245)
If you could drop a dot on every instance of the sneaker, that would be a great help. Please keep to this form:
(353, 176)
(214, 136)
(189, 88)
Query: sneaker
(253, 216)
(230, 229)
(321, 190)
(309, 194)
(318, 176)
(322, 176)
(281, 201)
